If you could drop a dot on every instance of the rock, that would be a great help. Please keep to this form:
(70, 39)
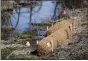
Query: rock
(28, 44)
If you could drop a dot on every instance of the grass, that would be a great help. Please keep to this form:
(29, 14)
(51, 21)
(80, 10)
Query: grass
(23, 57)
(5, 52)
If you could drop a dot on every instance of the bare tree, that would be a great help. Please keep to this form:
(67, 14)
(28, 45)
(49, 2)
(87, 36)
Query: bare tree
(32, 11)
(55, 10)
(18, 12)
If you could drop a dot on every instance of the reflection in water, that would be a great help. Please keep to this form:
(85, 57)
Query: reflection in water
(45, 13)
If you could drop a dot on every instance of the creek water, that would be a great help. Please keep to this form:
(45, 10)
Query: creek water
(45, 13)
